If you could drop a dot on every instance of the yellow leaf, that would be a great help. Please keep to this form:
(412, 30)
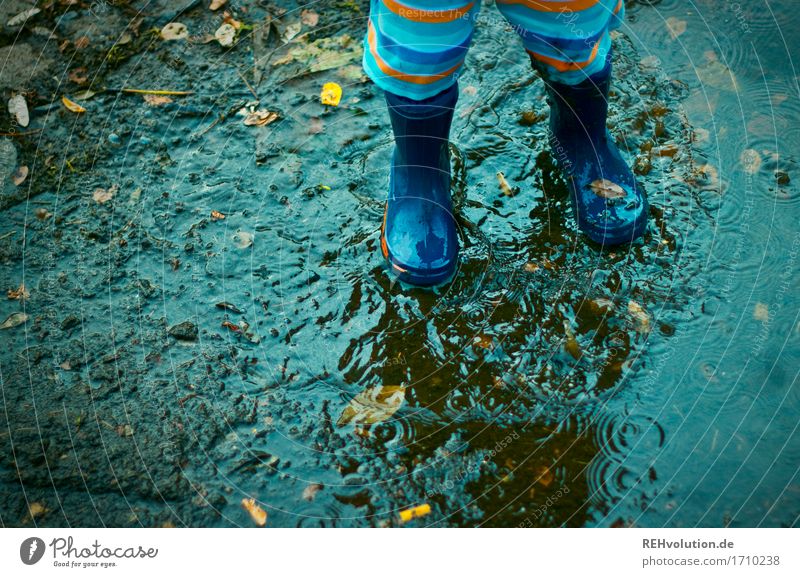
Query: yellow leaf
(373, 405)
(217, 215)
(258, 514)
(217, 4)
(607, 189)
(331, 94)
(37, 509)
(72, 106)
(414, 513)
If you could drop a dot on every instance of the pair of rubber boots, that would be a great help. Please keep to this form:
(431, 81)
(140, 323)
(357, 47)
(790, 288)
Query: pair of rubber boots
(419, 234)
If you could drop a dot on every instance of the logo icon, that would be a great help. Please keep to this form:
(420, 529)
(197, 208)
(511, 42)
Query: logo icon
(31, 551)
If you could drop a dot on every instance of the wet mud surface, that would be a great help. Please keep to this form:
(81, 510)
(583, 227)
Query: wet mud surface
(209, 318)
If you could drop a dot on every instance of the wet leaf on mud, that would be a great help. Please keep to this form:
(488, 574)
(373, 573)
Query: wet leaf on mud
(225, 35)
(23, 16)
(675, 26)
(291, 31)
(414, 513)
(544, 476)
(751, 160)
(19, 294)
(715, 74)
(217, 215)
(323, 53)
(311, 491)
(37, 509)
(20, 175)
(606, 189)
(571, 343)
(175, 31)
(504, 186)
(124, 430)
(14, 320)
(640, 317)
(18, 108)
(261, 118)
(72, 106)
(373, 405)
(226, 306)
(156, 99)
(103, 195)
(483, 341)
(78, 75)
(258, 514)
(243, 239)
(217, 4)
(531, 267)
(82, 42)
(331, 94)
(309, 18)
(761, 312)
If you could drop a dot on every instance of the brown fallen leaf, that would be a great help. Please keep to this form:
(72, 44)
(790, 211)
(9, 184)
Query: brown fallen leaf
(675, 26)
(751, 160)
(82, 42)
(225, 35)
(103, 195)
(217, 4)
(640, 317)
(607, 189)
(19, 294)
(216, 215)
(373, 405)
(545, 476)
(14, 320)
(243, 239)
(72, 106)
(258, 514)
(18, 108)
(311, 491)
(20, 175)
(571, 343)
(501, 180)
(260, 118)
(78, 75)
(174, 31)
(37, 509)
(309, 18)
(156, 99)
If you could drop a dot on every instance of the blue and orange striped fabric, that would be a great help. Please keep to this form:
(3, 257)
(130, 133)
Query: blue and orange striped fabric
(416, 48)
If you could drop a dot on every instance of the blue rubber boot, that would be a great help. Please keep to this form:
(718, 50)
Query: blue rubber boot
(418, 236)
(609, 206)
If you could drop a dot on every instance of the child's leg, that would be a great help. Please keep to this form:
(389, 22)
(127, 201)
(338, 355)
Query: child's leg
(566, 40)
(569, 43)
(416, 48)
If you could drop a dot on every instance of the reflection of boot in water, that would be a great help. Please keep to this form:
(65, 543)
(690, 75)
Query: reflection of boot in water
(418, 237)
(609, 206)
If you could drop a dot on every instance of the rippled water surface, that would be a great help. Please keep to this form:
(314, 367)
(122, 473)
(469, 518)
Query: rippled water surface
(551, 383)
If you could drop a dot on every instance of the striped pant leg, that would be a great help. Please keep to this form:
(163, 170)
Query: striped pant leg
(568, 40)
(416, 48)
